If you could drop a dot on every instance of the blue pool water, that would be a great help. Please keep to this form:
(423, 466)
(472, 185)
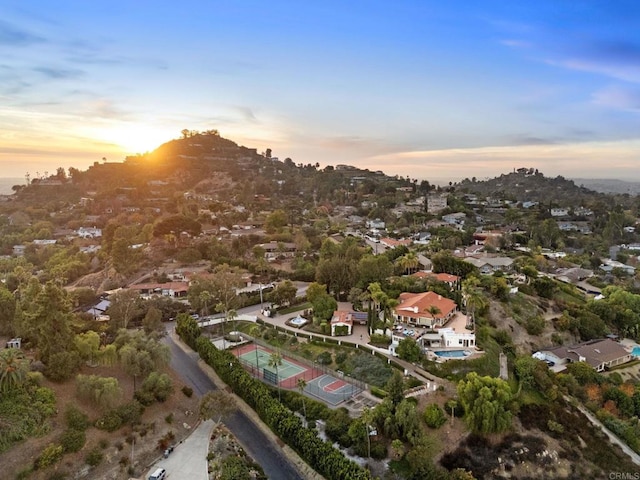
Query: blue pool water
(454, 353)
(636, 351)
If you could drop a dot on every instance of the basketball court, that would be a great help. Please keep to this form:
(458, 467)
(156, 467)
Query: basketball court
(323, 386)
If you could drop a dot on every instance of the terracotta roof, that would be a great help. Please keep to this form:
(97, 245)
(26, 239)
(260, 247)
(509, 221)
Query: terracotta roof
(417, 305)
(441, 277)
(342, 316)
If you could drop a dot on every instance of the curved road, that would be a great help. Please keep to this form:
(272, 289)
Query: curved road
(267, 454)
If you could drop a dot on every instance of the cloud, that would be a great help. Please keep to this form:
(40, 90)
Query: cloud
(522, 139)
(59, 73)
(618, 96)
(591, 159)
(15, 37)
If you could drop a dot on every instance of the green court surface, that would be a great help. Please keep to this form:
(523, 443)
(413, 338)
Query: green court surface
(261, 358)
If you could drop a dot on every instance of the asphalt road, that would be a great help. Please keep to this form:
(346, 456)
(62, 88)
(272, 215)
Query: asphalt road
(265, 452)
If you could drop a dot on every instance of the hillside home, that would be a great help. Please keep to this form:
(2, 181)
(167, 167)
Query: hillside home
(274, 250)
(600, 354)
(451, 280)
(393, 243)
(414, 309)
(89, 232)
(488, 265)
(169, 289)
(376, 224)
(559, 212)
(436, 203)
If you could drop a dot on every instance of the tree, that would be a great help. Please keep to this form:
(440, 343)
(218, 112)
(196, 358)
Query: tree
(486, 402)
(284, 293)
(13, 369)
(217, 405)
(275, 360)
(473, 299)
(302, 384)
(140, 354)
(126, 305)
(152, 321)
(275, 221)
(409, 262)
(46, 321)
(7, 312)
(314, 290)
(103, 391)
(395, 387)
(323, 307)
(408, 349)
(88, 345)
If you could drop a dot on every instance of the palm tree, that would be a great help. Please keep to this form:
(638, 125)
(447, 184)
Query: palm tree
(301, 384)
(433, 311)
(366, 417)
(473, 298)
(409, 262)
(205, 297)
(13, 369)
(232, 315)
(274, 361)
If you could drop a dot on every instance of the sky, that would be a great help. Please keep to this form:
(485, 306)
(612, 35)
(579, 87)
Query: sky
(435, 90)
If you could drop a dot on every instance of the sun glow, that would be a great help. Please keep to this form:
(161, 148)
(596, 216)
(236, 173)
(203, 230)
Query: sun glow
(138, 139)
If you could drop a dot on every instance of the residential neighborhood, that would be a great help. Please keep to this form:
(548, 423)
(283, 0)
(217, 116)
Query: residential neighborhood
(333, 293)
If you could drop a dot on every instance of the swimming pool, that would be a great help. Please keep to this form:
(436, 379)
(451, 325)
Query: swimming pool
(636, 351)
(453, 353)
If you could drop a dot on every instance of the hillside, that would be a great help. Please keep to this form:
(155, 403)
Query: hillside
(524, 185)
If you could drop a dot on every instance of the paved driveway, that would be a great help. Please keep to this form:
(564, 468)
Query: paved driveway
(189, 458)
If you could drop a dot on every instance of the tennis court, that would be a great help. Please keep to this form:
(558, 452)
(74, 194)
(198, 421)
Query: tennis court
(259, 358)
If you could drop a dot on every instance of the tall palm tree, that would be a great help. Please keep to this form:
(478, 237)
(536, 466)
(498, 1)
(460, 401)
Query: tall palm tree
(473, 299)
(205, 297)
(409, 262)
(301, 384)
(13, 369)
(275, 360)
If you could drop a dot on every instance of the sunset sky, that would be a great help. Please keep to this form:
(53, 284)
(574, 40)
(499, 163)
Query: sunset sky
(431, 89)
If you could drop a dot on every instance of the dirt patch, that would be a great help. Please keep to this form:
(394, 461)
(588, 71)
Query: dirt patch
(134, 447)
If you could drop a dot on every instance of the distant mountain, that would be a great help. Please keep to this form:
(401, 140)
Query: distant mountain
(604, 185)
(528, 185)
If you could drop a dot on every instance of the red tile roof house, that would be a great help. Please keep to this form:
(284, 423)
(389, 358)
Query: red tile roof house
(414, 309)
(341, 318)
(451, 280)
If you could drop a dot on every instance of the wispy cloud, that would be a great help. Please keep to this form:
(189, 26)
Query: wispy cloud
(58, 73)
(618, 96)
(13, 36)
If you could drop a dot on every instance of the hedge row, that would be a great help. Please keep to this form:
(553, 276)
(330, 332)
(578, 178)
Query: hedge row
(319, 454)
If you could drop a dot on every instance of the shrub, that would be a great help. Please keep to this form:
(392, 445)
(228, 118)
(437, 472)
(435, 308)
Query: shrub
(341, 357)
(110, 421)
(379, 340)
(535, 325)
(169, 418)
(94, 457)
(62, 365)
(73, 440)
(51, 454)
(324, 358)
(158, 385)
(75, 418)
(130, 413)
(434, 417)
(378, 392)
(188, 391)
